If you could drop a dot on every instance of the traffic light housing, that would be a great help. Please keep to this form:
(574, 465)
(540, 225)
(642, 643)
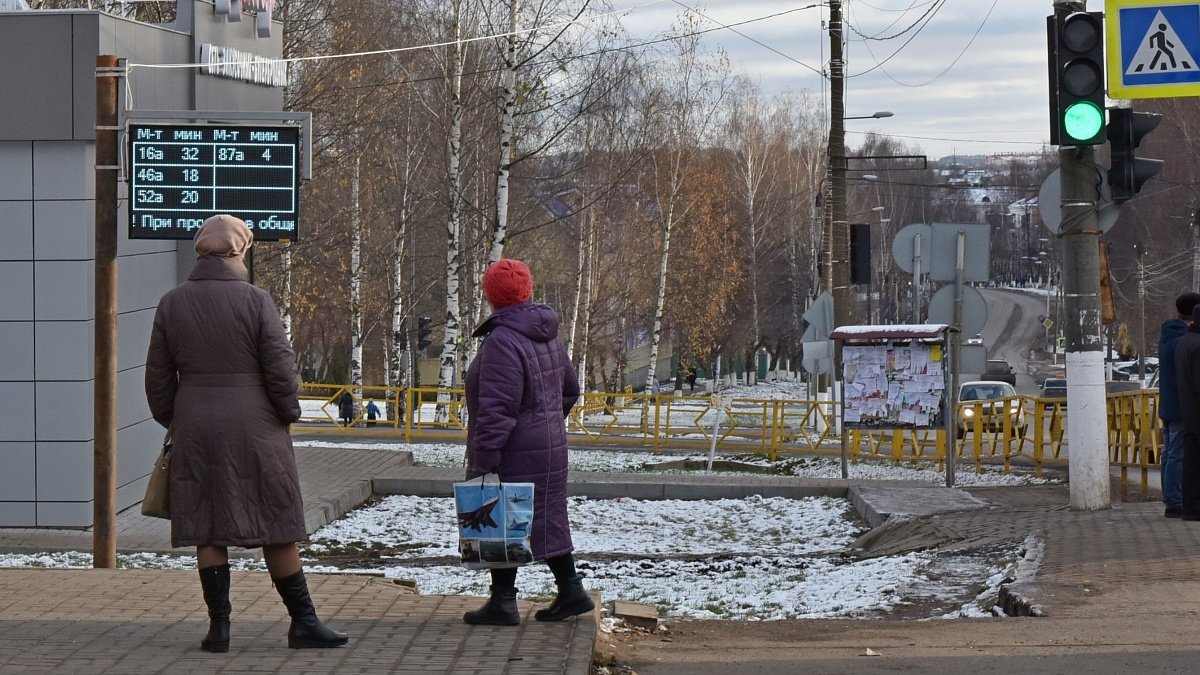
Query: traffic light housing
(860, 253)
(423, 333)
(1076, 55)
(1126, 128)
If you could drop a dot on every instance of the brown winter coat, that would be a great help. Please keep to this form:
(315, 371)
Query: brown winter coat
(221, 374)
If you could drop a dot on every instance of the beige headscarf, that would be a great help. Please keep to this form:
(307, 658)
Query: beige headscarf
(223, 236)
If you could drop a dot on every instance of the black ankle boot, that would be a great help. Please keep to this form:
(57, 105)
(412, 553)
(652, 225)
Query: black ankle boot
(500, 609)
(571, 600)
(306, 631)
(215, 582)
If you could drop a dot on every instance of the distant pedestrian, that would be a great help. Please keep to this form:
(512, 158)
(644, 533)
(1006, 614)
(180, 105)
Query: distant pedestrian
(346, 408)
(1171, 460)
(520, 387)
(372, 413)
(221, 375)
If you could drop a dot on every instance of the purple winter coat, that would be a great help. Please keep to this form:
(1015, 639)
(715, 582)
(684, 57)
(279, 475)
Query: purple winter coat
(520, 387)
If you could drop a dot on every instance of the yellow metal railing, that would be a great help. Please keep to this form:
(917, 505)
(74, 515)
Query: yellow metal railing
(1023, 429)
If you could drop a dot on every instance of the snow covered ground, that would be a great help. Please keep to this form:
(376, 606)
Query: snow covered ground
(752, 559)
(756, 558)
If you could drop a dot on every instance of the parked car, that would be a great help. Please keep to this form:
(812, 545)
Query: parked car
(1000, 371)
(1055, 389)
(999, 399)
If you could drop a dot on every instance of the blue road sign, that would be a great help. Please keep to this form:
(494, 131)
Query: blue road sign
(1152, 49)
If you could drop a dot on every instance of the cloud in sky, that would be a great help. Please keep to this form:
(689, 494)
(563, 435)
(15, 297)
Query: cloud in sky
(950, 89)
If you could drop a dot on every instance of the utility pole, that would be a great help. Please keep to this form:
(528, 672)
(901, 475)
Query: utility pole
(1086, 426)
(104, 414)
(838, 246)
(1196, 249)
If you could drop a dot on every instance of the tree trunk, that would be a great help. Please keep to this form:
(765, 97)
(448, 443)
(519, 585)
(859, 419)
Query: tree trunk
(508, 102)
(660, 303)
(285, 312)
(356, 268)
(449, 359)
(582, 366)
(579, 271)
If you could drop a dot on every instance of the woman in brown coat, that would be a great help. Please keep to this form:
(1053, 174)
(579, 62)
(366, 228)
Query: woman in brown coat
(221, 375)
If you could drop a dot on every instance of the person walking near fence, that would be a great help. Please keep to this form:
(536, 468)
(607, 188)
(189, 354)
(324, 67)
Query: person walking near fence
(1168, 404)
(519, 388)
(346, 408)
(221, 375)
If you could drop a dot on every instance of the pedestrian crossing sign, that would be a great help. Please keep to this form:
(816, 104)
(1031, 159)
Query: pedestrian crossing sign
(1151, 48)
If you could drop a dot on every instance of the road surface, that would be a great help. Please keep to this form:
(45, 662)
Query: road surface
(1012, 330)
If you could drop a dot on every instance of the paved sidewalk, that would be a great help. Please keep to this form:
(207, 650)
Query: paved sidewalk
(1078, 565)
(151, 621)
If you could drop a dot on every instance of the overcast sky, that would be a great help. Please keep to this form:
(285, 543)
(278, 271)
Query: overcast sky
(969, 78)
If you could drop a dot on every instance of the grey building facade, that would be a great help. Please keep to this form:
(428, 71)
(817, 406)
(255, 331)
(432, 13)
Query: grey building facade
(47, 191)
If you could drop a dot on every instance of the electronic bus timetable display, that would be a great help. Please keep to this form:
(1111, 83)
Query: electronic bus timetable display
(181, 174)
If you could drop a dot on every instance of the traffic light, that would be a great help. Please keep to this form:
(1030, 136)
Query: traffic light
(860, 253)
(423, 339)
(1076, 46)
(1126, 128)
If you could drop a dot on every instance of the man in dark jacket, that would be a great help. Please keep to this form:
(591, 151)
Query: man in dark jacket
(1168, 403)
(1187, 370)
(519, 388)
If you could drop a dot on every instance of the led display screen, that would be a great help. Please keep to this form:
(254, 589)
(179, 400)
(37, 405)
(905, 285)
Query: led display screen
(181, 174)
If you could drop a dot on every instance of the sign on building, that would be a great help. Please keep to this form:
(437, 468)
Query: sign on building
(181, 174)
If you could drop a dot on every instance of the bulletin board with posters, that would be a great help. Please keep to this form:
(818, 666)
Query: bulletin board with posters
(893, 376)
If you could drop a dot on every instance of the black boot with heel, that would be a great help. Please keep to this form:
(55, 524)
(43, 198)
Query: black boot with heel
(501, 607)
(572, 600)
(215, 583)
(307, 631)
(499, 610)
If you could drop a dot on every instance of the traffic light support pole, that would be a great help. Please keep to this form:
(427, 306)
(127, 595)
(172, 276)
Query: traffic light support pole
(1086, 427)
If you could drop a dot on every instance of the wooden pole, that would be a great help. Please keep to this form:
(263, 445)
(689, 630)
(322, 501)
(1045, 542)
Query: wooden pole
(104, 446)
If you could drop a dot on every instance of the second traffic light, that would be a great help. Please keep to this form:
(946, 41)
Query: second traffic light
(1076, 45)
(423, 333)
(1126, 128)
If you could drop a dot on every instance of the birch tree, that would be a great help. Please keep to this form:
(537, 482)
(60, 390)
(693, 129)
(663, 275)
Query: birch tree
(755, 145)
(454, 76)
(691, 91)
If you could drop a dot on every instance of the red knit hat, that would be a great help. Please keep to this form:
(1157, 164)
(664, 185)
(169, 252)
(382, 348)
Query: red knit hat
(507, 282)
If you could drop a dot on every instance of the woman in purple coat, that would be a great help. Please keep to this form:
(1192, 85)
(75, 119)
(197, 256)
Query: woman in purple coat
(520, 387)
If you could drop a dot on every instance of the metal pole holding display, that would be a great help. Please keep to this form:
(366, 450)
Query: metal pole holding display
(109, 70)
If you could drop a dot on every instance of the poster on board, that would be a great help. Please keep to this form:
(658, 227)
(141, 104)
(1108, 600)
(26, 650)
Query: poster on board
(893, 385)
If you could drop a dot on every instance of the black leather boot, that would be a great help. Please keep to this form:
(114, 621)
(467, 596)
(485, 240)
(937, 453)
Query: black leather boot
(306, 631)
(215, 582)
(571, 600)
(500, 609)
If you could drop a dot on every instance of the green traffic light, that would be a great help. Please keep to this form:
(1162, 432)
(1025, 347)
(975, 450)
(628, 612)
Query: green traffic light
(1083, 120)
